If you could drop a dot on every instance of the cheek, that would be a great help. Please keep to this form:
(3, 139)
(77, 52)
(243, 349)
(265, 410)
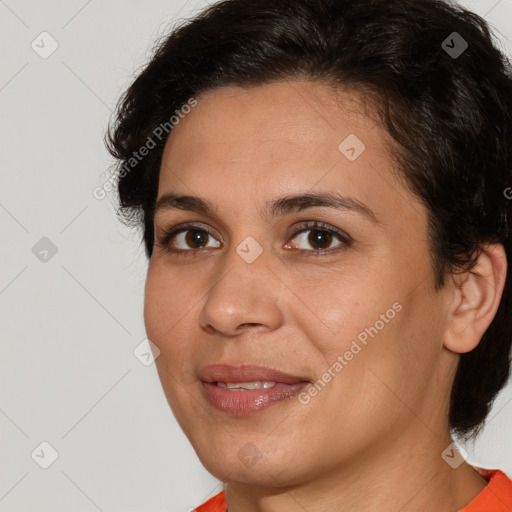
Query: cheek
(155, 299)
(164, 318)
(399, 361)
(367, 323)
(345, 309)
(165, 303)
(171, 307)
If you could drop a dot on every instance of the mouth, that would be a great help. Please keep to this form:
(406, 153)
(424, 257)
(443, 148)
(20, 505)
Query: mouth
(243, 390)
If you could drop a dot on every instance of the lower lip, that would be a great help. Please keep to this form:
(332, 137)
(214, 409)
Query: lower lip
(250, 401)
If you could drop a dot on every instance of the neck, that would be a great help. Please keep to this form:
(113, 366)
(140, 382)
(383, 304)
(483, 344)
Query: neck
(402, 474)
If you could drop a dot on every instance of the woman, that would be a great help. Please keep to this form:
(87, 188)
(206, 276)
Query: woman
(322, 189)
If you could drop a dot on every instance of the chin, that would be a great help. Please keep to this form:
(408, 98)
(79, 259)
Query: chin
(249, 466)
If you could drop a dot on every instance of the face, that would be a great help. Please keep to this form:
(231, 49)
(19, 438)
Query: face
(333, 302)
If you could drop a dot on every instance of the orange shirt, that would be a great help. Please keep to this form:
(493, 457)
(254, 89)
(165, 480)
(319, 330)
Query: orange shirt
(496, 497)
(215, 504)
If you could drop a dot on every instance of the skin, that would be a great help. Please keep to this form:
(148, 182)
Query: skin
(372, 438)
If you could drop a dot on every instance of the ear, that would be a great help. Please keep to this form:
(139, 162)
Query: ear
(477, 295)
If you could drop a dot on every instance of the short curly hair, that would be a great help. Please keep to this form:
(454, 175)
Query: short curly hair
(443, 91)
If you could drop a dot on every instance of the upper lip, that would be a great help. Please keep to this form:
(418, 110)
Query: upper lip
(246, 373)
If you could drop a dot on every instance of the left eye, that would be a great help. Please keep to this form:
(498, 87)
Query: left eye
(319, 239)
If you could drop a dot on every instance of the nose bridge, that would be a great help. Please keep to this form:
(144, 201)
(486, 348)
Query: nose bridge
(245, 294)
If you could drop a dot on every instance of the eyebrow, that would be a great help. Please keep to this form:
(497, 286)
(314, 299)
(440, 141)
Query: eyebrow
(280, 206)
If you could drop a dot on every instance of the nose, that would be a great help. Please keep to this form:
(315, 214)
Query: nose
(247, 295)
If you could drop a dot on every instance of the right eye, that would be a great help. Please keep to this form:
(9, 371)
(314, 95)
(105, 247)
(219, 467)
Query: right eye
(190, 237)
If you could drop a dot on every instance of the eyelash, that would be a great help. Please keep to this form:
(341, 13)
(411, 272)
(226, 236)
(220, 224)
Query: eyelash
(346, 241)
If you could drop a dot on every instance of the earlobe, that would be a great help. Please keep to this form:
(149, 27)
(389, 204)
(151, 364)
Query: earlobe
(476, 300)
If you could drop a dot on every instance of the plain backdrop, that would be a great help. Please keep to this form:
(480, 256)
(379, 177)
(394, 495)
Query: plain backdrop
(75, 394)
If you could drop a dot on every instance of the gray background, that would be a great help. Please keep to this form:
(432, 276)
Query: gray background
(72, 320)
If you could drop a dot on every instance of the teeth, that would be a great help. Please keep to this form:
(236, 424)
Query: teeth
(246, 385)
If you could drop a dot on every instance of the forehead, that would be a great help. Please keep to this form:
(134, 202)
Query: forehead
(250, 144)
(293, 113)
